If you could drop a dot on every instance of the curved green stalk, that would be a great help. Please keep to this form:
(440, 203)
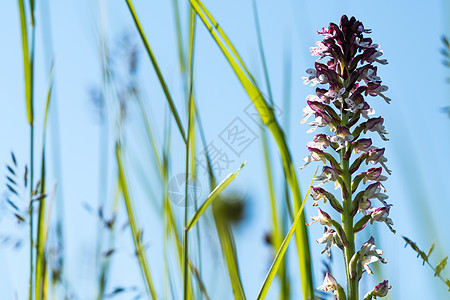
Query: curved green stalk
(157, 70)
(280, 254)
(268, 118)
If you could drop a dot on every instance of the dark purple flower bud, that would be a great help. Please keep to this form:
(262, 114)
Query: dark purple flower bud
(321, 138)
(316, 106)
(363, 43)
(376, 124)
(375, 155)
(344, 23)
(321, 94)
(364, 145)
(368, 73)
(373, 189)
(358, 98)
(371, 54)
(374, 174)
(336, 33)
(330, 75)
(376, 89)
(381, 289)
(324, 116)
(367, 54)
(316, 153)
(380, 214)
(344, 133)
(333, 63)
(364, 205)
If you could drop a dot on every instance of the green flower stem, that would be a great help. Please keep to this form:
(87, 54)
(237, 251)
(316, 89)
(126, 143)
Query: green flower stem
(347, 219)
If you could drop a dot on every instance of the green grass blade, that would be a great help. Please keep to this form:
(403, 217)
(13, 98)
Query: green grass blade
(26, 62)
(226, 239)
(280, 254)
(190, 150)
(157, 70)
(286, 208)
(267, 115)
(224, 36)
(150, 134)
(277, 234)
(135, 231)
(28, 74)
(186, 280)
(171, 225)
(40, 246)
(32, 6)
(212, 196)
(277, 231)
(261, 52)
(229, 252)
(179, 35)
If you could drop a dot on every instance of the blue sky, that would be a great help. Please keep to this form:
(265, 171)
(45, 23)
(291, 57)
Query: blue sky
(417, 151)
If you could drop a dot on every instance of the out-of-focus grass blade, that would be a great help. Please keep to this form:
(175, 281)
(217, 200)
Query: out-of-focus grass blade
(140, 250)
(192, 110)
(229, 251)
(212, 196)
(157, 70)
(26, 62)
(261, 52)
(170, 218)
(150, 134)
(279, 257)
(40, 246)
(179, 35)
(224, 231)
(32, 11)
(28, 74)
(224, 37)
(277, 233)
(190, 148)
(268, 117)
